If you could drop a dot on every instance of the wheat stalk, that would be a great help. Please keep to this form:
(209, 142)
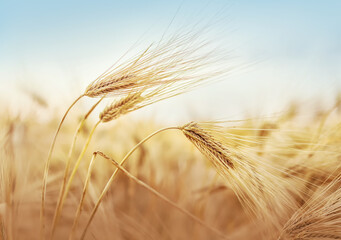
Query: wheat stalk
(113, 111)
(109, 113)
(107, 186)
(67, 165)
(72, 175)
(161, 196)
(46, 171)
(79, 209)
(124, 105)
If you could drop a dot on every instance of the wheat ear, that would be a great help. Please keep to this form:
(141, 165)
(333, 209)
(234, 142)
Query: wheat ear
(106, 188)
(68, 162)
(210, 147)
(263, 193)
(121, 107)
(46, 171)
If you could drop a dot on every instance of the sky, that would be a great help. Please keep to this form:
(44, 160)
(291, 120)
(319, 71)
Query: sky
(292, 50)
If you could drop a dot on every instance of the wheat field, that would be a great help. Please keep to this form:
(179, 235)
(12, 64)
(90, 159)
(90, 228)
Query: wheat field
(112, 176)
(263, 178)
(307, 161)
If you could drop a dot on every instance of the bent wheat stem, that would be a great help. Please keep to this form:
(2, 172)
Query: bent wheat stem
(161, 196)
(68, 161)
(68, 185)
(79, 209)
(46, 170)
(106, 188)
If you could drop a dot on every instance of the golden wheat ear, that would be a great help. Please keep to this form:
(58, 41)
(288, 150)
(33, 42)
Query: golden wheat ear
(264, 194)
(47, 166)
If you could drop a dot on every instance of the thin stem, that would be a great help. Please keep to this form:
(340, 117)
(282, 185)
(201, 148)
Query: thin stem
(72, 175)
(46, 171)
(161, 196)
(68, 161)
(79, 209)
(106, 188)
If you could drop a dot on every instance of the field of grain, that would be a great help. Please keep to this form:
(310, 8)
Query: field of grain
(97, 172)
(281, 178)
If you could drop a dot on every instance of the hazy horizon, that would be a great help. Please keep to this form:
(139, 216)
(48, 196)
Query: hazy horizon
(56, 49)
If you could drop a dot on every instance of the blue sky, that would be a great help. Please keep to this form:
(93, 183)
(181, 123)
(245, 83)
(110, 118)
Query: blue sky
(61, 46)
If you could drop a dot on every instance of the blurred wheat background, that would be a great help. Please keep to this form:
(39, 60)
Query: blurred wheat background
(243, 97)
